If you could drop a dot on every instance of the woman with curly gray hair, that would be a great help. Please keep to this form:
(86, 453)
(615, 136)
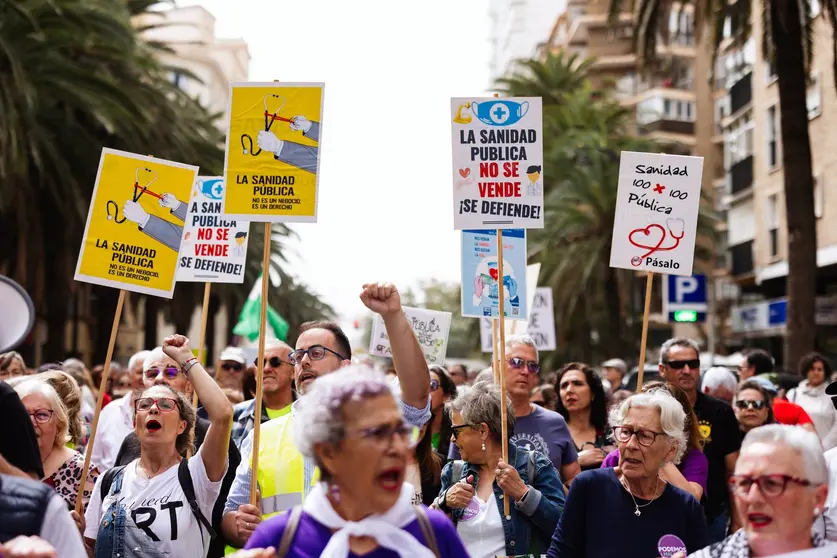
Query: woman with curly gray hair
(351, 425)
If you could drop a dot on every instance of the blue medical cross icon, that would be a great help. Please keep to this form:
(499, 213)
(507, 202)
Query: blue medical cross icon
(499, 112)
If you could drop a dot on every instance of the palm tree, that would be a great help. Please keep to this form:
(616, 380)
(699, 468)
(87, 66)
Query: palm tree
(787, 41)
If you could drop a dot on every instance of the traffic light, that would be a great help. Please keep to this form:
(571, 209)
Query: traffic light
(685, 316)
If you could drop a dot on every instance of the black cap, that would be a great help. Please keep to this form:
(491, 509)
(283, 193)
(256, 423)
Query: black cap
(240, 234)
(533, 168)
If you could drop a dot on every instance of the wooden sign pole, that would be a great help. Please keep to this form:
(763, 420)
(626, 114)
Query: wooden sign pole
(502, 363)
(204, 317)
(103, 383)
(254, 463)
(495, 359)
(648, 282)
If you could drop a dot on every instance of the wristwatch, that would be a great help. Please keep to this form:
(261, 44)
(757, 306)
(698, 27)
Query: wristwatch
(186, 366)
(522, 500)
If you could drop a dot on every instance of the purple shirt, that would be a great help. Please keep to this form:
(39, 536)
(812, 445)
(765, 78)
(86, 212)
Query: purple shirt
(312, 537)
(693, 465)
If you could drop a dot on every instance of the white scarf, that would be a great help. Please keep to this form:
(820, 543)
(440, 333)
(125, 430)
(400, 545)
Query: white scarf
(387, 529)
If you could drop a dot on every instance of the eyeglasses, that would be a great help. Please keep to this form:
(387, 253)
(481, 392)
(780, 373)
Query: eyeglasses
(644, 437)
(693, 364)
(235, 366)
(750, 404)
(42, 416)
(434, 385)
(170, 372)
(276, 362)
(770, 485)
(165, 404)
(314, 352)
(382, 435)
(457, 429)
(532, 366)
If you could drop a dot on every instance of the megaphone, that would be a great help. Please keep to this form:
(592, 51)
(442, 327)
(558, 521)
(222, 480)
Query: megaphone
(18, 314)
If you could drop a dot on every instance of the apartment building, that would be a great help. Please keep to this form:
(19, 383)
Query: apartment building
(752, 189)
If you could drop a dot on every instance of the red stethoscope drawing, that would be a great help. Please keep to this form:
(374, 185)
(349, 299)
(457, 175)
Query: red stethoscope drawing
(672, 228)
(269, 119)
(138, 192)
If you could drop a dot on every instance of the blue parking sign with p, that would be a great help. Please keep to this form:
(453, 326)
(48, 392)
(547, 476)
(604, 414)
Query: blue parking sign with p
(686, 296)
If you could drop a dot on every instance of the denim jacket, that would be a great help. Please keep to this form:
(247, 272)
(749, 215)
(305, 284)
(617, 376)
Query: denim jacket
(531, 526)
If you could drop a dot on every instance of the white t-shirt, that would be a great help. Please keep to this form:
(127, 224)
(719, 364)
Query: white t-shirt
(159, 521)
(413, 476)
(481, 529)
(118, 416)
(59, 530)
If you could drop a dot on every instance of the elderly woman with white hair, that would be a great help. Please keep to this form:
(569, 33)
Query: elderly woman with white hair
(350, 423)
(780, 487)
(645, 516)
(62, 465)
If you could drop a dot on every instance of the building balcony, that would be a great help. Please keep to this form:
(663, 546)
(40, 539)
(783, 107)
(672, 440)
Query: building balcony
(741, 259)
(741, 175)
(667, 126)
(741, 93)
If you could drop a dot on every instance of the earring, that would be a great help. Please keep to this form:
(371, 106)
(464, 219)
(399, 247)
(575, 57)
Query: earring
(816, 511)
(483, 446)
(334, 491)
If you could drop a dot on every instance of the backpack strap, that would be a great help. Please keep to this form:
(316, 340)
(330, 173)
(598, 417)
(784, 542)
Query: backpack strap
(289, 532)
(185, 478)
(426, 530)
(107, 480)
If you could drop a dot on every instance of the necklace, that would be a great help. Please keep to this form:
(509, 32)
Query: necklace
(637, 512)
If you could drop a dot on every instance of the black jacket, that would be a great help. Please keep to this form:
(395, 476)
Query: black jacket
(23, 504)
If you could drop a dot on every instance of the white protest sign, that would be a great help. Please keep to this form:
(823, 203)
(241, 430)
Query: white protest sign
(656, 212)
(430, 326)
(497, 162)
(541, 323)
(214, 248)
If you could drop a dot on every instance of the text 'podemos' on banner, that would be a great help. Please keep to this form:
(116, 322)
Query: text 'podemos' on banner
(656, 212)
(214, 248)
(135, 223)
(497, 162)
(481, 274)
(273, 152)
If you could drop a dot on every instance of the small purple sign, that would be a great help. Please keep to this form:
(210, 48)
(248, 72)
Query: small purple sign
(669, 545)
(471, 511)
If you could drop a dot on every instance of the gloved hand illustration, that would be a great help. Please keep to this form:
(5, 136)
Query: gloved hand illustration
(511, 285)
(170, 202)
(269, 142)
(479, 285)
(300, 123)
(133, 211)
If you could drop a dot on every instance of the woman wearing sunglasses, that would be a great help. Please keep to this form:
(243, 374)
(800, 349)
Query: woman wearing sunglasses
(752, 406)
(350, 423)
(145, 511)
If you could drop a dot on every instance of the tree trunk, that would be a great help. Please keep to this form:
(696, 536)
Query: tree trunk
(211, 350)
(152, 310)
(613, 307)
(105, 305)
(798, 180)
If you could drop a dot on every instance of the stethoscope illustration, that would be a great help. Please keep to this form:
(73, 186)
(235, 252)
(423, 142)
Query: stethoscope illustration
(138, 192)
(269, 119)
(668, 230)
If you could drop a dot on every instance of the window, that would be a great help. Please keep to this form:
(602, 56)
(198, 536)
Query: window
(722, 107)
(772, 218)
(815, 8)
(738, 143)
(819, 194)
(772, 139)
(770, 70)
(659, 108)
(814, 99)
(178, 79)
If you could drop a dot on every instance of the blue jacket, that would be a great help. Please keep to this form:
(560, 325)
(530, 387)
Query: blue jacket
(531, 526)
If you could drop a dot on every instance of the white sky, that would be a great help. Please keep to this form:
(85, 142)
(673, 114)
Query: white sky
(390, 69)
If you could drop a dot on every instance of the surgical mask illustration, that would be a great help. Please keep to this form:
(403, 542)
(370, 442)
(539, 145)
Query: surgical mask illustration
(212, 188)
(499, 112)
(269, 119)
(138, 192)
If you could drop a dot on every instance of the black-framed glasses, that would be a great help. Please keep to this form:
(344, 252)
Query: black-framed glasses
(434, 385)
(457, 428)
(274, 362)
(234, 366)
(750, 404)
(314, 352)
(165, 404)
(169, 372)
(644, 436)
(381, 436)
(531, 366)
(770, 485)
(42, 416)
(693, 364)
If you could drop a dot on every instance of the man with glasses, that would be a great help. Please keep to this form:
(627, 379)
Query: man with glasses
(277, 391)
(284, 477)
(535, 428)
(680, 365)
(459, 374)
(231, 366)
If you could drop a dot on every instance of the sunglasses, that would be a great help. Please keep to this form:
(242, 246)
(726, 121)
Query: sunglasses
(170, 372)
(165, 404)
(434, 385)
(531, 366)
(315, 352)
(693, 364)
(750, 404)
(456, 429)
(273, 362)
(232, 366)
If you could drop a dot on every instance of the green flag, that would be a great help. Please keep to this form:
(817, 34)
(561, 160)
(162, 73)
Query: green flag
(248, 320)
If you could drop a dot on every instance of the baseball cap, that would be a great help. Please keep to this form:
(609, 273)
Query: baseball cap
(234, 354)
(765, 383)
(616, 363)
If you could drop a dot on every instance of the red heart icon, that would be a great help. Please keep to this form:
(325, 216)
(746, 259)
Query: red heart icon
(648, 238)
(464, 172)
(494, 274)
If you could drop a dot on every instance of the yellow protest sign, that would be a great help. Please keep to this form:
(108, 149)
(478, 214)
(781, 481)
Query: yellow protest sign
(135, 223)
(273, 152)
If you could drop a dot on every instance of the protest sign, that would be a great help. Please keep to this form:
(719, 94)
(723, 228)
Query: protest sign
(430, 326)
(480, 274)
(214, 247)
(273, 152)
(135, 223)
(497, 162)
(656, 213)
(541, 326)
